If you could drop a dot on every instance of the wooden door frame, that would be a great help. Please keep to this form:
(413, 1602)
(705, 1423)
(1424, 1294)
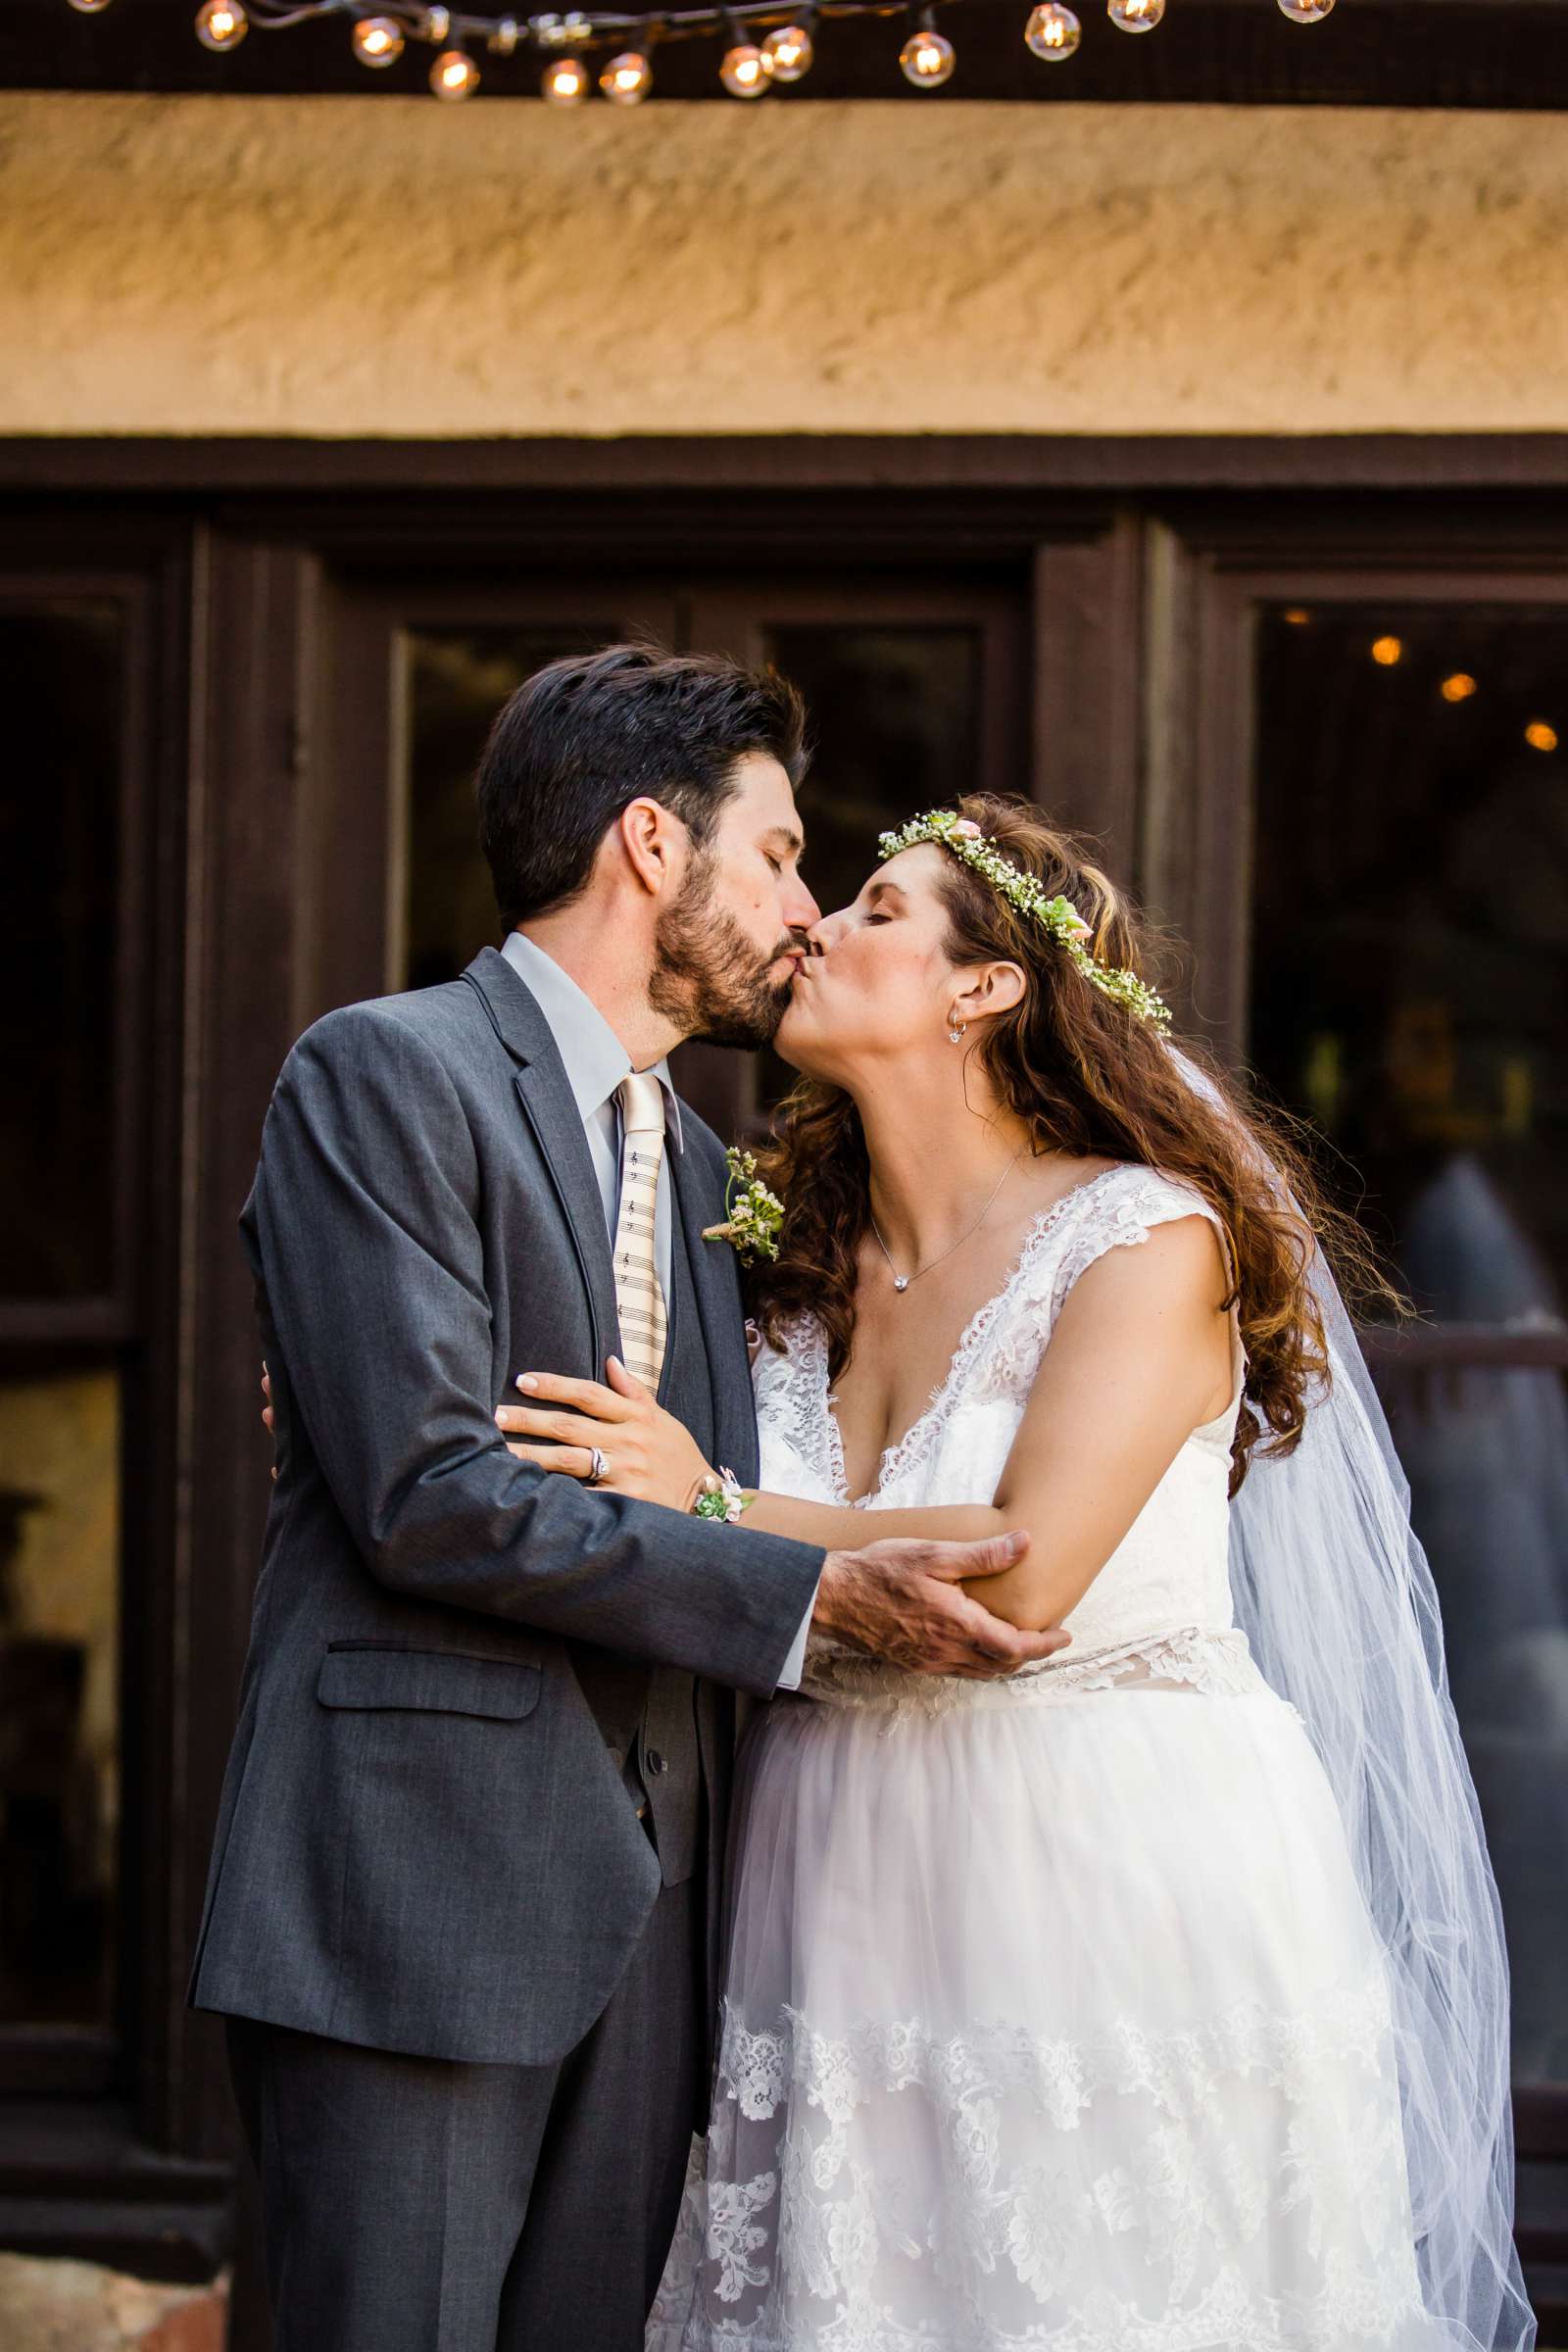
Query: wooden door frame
(1145, 554)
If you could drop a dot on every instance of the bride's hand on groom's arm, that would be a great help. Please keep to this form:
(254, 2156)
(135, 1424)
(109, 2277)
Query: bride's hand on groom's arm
(648, 1453)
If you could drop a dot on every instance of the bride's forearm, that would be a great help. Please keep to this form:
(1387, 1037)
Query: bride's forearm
(838, 1530)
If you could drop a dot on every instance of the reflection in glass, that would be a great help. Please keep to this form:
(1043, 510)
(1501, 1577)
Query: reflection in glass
(458, 679)
(58, 1701)
(1410, 993)
(895, 719)
(59, 831)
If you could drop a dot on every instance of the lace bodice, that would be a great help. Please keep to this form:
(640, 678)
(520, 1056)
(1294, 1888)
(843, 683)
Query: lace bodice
(1161, 1604)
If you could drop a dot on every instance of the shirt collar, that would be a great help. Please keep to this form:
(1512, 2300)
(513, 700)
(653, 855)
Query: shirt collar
(596, 1060)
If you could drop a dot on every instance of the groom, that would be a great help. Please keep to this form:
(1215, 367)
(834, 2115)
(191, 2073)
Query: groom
(462, 1913)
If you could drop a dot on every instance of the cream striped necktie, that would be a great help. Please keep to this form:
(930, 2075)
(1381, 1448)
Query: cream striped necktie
(639, 1299)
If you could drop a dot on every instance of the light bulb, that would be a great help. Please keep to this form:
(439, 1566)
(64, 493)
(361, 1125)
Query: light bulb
(1052, 32)
(454, 74)
(789, 52)
(1540, 735)
(927, 59)
(627, 78)
(89, 8)
(1305, 11)
(377, 41)
(1458, 688)
(744, 72)
(1386, 651)
(435, 25)
(1136, 16)
(504, 40)
(221, 24)
(565, 82)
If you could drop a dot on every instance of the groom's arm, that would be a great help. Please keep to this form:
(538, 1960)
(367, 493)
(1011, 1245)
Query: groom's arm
(373, 1267)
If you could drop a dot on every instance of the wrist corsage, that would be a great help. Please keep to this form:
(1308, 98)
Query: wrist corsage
(721, 1496)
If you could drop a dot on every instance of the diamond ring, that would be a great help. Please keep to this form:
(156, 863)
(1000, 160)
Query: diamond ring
(598, 1467)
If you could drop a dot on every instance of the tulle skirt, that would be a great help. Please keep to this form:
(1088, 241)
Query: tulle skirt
(1050, 2021)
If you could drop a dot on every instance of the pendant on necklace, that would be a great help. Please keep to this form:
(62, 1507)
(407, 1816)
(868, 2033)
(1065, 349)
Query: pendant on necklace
(900, 1282)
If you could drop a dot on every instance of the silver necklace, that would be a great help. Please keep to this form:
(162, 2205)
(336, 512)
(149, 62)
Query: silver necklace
(902, 1282)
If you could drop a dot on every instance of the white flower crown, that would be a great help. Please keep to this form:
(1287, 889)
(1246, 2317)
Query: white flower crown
(1059, 915)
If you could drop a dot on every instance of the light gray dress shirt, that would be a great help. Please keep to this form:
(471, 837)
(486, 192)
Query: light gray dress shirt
(596, 1062)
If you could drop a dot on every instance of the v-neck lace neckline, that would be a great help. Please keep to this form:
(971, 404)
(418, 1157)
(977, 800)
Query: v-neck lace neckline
(896, 1458)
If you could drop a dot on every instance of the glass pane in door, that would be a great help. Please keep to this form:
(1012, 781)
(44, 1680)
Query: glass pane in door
(457, 677)
(1410, 996)
(59, 851)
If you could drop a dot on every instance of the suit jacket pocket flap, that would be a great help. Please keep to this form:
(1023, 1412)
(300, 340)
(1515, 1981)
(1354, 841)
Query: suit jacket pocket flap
(500, 1687)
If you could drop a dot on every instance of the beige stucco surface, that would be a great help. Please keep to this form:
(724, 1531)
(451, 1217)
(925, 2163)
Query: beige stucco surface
(384, 264)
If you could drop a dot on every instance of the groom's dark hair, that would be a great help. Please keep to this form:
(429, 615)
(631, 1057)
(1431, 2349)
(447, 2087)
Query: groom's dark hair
(587, 735)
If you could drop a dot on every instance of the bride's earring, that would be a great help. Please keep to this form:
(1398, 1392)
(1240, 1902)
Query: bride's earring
(955, 1032)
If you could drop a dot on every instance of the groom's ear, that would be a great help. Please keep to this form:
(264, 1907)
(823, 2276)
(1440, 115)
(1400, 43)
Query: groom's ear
(654, 842)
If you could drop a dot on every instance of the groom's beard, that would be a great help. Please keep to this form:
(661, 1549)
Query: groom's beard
(706, 973)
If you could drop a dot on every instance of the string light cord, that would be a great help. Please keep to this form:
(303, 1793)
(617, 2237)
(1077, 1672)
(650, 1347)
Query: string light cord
(380, 35)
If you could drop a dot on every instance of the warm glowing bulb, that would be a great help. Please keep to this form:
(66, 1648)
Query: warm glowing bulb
(435, 25)
(1387, 651)
(454, 74)
(1459, 688)
(744, 72)
(89, 8)
(1540, 736)
(565, 82)
(1052, 32)
(927, 59)
(627, 79)
(377, 41)
(789, 52)
(1297, 614)
(221, 24)
(1136, 16)
(1305, 11)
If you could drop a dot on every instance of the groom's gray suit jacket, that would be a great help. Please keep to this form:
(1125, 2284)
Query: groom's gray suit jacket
(425, 1841)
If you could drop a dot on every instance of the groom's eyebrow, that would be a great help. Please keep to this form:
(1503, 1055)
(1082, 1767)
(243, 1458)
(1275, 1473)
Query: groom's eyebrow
(786, 839)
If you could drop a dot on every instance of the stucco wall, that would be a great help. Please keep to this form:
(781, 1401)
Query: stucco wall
(391, 266)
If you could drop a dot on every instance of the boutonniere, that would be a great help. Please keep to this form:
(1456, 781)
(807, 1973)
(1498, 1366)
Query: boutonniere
(753, 1215)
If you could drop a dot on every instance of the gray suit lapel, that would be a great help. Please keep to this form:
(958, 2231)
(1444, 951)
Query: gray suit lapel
(715, 1280)
(551, 1107)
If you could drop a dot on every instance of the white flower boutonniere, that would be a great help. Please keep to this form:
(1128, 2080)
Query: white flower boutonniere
(753, 1216)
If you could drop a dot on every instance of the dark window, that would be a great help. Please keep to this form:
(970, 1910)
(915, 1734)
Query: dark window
(1410, 991)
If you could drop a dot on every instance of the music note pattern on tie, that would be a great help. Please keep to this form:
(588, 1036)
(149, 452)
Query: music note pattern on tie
(639, 1298)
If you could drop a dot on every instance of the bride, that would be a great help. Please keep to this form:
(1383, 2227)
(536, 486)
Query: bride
(1152, 1999)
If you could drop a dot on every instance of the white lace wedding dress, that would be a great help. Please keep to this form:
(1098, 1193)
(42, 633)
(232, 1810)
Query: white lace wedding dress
(1053, 2016)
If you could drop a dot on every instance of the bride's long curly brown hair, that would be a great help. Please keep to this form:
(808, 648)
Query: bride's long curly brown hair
(1088, 1078)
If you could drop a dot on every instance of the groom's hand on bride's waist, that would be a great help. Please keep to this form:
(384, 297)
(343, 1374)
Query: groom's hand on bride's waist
(903, 1600)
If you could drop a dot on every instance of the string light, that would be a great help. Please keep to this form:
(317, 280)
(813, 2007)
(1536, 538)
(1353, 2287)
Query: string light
(1540, 736)
(221, 24)
(765, 42)
(565, 82)
(627, 79)
(377, 41)
(1386, 651)
(927, 56)
(1052, 32)
(789, 52)
(1458, 688)
(744, 72)
(454, 74)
